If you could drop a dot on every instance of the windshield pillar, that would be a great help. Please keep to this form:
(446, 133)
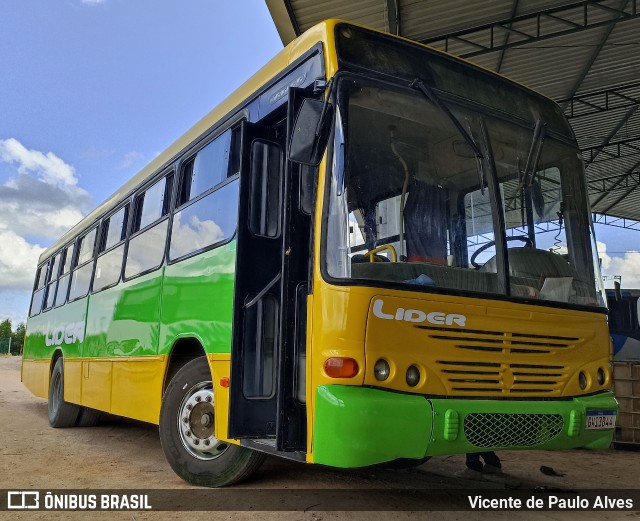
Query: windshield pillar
(502, 262)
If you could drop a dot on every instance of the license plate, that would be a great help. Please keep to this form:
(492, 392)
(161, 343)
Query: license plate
(601, 420)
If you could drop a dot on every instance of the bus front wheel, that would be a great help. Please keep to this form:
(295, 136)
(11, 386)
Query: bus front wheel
(187, 432)
(61, 413)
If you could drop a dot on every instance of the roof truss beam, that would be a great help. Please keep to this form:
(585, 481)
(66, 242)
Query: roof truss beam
(612, 150)
(540, 25)
(618, 222)
(601, 100)
(608, 184)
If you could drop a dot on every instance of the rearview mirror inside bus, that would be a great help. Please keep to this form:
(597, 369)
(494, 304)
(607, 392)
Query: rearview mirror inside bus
(310, 132)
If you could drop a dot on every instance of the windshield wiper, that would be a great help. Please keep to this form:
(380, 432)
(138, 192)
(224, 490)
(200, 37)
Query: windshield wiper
(430, 94)
(433, 97)
(534, 153)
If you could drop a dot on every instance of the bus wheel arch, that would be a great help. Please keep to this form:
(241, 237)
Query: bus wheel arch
(186, 432)
(183, 351)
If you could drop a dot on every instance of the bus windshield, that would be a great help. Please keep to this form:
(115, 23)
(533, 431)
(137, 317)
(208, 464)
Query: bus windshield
(421, 193)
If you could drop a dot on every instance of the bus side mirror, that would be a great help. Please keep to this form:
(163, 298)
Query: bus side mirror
(616, 289)
(310, 132)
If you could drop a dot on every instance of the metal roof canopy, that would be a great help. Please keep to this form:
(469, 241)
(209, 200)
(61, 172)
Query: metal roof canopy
(583, 54)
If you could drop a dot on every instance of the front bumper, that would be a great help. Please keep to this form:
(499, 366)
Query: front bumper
(360, 426)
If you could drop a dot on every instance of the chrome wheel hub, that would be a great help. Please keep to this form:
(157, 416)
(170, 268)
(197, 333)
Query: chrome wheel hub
(196, 422)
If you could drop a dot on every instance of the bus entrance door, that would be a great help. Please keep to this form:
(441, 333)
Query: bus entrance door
(263, 355)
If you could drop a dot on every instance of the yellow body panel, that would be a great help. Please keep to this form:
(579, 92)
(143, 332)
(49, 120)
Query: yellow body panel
(96, 384)
(35, 376)
(220, 365)
(73, 380)
(137, 387)
(504, 349)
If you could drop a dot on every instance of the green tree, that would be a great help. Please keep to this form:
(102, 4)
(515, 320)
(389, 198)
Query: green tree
(17, 339)
(5, 335)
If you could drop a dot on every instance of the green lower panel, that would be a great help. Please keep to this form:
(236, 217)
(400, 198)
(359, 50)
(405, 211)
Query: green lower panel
(359, 426)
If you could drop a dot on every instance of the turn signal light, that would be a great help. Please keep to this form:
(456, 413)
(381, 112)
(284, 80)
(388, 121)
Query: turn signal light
(339, 367)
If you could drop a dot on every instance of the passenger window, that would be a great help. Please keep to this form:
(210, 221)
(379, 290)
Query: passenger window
(86, 246)
(211, 165)
(114, 228)
(109, 262)
(81, 275)
(207, 222)
(153, 203)
(42, 275)
(53, 282)
(108, 268)
(146, 249)
(38, 294)
(65, 269)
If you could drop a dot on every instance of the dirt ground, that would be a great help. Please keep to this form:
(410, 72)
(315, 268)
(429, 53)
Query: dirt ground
(124, 454)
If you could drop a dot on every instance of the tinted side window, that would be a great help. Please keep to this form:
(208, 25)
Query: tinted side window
(208, 221)
(41, 275)
(53, 281)
(153, 203)
(109, 262)
(38, 294)
(81, 275)
(65, 276)
(114, 228)
(146, 249)
(108, 268)
(211, 165)
(85, 247)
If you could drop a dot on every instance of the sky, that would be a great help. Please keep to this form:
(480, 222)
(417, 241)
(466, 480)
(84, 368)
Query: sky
(92, 90)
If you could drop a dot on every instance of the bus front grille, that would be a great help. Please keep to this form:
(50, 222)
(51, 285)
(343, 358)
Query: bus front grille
(511, 430)
(499, 363)
(502, 378)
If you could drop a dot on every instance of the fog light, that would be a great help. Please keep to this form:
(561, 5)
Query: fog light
(601, 376)
(413, 376)
(381, 370)
(582, 380)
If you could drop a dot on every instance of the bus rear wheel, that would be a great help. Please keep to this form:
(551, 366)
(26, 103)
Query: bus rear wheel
(187, 432)
(61, 413)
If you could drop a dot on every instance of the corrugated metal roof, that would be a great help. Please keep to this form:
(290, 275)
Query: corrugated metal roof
(578, 50)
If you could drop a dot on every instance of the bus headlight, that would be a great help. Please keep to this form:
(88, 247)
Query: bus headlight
(381, 370)
(582, 380)
(413, 376)
(601, 376)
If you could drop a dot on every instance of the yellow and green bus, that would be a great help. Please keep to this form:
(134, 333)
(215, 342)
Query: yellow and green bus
(373, 252)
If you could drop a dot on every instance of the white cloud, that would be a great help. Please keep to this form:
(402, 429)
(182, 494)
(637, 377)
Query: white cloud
(39, 203)
(92, 2)
(627, 266)
(18, 259)
(48, 167)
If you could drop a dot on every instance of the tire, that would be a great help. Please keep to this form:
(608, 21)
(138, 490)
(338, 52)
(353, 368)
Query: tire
(186, 432)
(88, 417)
(61, 413)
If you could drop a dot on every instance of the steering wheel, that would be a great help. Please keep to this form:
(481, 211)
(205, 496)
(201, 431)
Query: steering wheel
(523, 238)
(374, 258)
